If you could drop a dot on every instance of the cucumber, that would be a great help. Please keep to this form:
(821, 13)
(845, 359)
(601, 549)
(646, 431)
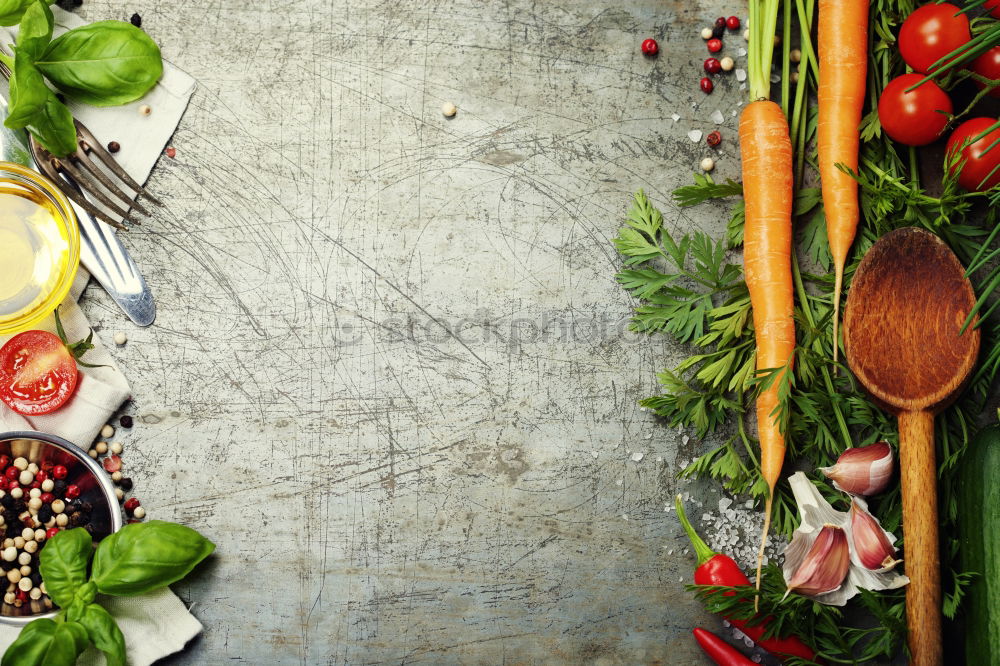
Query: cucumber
(979, 525)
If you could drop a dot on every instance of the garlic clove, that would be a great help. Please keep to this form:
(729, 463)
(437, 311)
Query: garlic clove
(825, 565)
(863, 470)
(871, 543)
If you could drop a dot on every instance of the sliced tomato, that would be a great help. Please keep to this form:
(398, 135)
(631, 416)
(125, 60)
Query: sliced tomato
(38, 374)
(993, 6)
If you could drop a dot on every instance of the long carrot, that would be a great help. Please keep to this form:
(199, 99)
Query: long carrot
(766, 152)
(843, 59)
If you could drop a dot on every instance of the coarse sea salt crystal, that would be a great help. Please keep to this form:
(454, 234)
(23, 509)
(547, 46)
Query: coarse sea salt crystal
(717, 117)
(741, 75)
(741, 52)
(675, 117)
(695, 135)
(734, 113)
(725, 503)
(637, 456)
(775, 77)
(594, 453)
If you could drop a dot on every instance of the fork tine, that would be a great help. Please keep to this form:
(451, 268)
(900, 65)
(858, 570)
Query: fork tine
(85, 184)
(46, 166)
(80, 157)
(95, 146)
(52, 167)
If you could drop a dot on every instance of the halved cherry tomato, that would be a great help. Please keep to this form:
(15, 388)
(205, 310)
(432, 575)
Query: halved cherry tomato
(988, 66)
(38, 374)
(932, 32)
(914, 118)
(979, 163)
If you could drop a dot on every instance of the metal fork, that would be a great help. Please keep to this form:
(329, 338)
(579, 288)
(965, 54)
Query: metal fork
(91, 178)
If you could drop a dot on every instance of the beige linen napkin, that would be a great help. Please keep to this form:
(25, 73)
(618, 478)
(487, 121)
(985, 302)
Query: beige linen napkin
(157, 624)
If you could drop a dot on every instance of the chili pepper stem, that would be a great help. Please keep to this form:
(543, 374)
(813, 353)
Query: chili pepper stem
(701, 549)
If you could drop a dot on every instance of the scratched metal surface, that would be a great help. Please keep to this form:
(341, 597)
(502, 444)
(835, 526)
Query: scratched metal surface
(390, 375)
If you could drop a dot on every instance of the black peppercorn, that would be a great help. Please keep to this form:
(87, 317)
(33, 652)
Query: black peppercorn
(125, 421)
(36, 578)
(45, 513)
(136, 20)
(114, 147)
(7, 502)
(126, 483)
(59, 488)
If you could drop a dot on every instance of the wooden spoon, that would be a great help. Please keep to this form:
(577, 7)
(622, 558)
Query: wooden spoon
(908, 301)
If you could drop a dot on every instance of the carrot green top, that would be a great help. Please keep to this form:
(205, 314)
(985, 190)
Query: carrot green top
(763, 22)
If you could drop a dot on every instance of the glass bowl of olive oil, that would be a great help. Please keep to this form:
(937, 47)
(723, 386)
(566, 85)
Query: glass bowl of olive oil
(39, 247)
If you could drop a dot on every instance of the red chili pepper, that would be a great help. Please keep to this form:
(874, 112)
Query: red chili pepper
(717, 569)
(721, 652)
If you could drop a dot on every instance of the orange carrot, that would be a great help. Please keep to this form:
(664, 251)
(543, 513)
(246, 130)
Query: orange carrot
(843, 58)
(766, 152)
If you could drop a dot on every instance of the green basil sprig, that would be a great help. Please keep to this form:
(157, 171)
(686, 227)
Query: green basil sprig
(139, 558)
(11, 11)
(147, 557)
(104, 64)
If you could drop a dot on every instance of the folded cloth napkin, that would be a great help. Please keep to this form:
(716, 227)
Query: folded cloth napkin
(158, 624)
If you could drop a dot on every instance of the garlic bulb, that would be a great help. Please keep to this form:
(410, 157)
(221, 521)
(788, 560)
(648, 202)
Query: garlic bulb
(871, 544)
(864, 470)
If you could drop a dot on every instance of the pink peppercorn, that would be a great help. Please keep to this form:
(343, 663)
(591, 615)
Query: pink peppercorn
(171, 152)
(47, 498)
(733, 22)
(714, 139)
(712, 65)
(51, 532)
(112, 464)
(706, 85)
(714, 45)
(59, 472)
(12, 473)
(131, 504)
(72, 491)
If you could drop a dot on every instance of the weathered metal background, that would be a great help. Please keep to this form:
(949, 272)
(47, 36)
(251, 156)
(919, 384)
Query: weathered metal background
(390, 374)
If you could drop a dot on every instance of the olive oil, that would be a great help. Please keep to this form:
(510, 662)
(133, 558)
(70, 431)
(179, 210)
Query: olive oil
(35, 248)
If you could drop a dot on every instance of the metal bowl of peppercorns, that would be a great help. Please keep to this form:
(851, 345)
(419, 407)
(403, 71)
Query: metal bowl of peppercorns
(47, 484)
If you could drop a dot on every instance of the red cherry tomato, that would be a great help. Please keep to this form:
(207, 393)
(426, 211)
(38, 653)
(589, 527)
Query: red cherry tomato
(979, 163)
(932, 32)
(913, 118)
(988, 66)
(993, 6)
(37, 373)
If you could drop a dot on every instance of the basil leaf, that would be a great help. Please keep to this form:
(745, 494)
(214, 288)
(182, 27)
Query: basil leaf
(104, 63)
(44, 642)
(105, 634)
(146, 556)
(34, 106)
(28, 92)
(11, 11)
(35, 31)
(63, 564)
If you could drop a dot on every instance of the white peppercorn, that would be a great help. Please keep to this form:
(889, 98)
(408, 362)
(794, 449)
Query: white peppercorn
(35, 492)
(48, 485)
(28, 534)
(31, 547)
(14, 575)
(101, 447)
(24, 558)
(58, 506)
(120, 338)
(116, 448)
(139, 512)
(10, 554)
(61, 520)
(21, 463)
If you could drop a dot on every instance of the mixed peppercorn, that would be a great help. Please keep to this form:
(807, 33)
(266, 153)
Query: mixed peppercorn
(38, 498)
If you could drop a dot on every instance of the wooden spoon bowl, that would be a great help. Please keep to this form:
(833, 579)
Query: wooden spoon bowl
(905, 310)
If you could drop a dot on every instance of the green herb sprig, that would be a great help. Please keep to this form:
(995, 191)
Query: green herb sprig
(139, 558)
(104, 64)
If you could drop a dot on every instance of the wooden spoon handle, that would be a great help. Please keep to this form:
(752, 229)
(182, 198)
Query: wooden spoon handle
(920, 524)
